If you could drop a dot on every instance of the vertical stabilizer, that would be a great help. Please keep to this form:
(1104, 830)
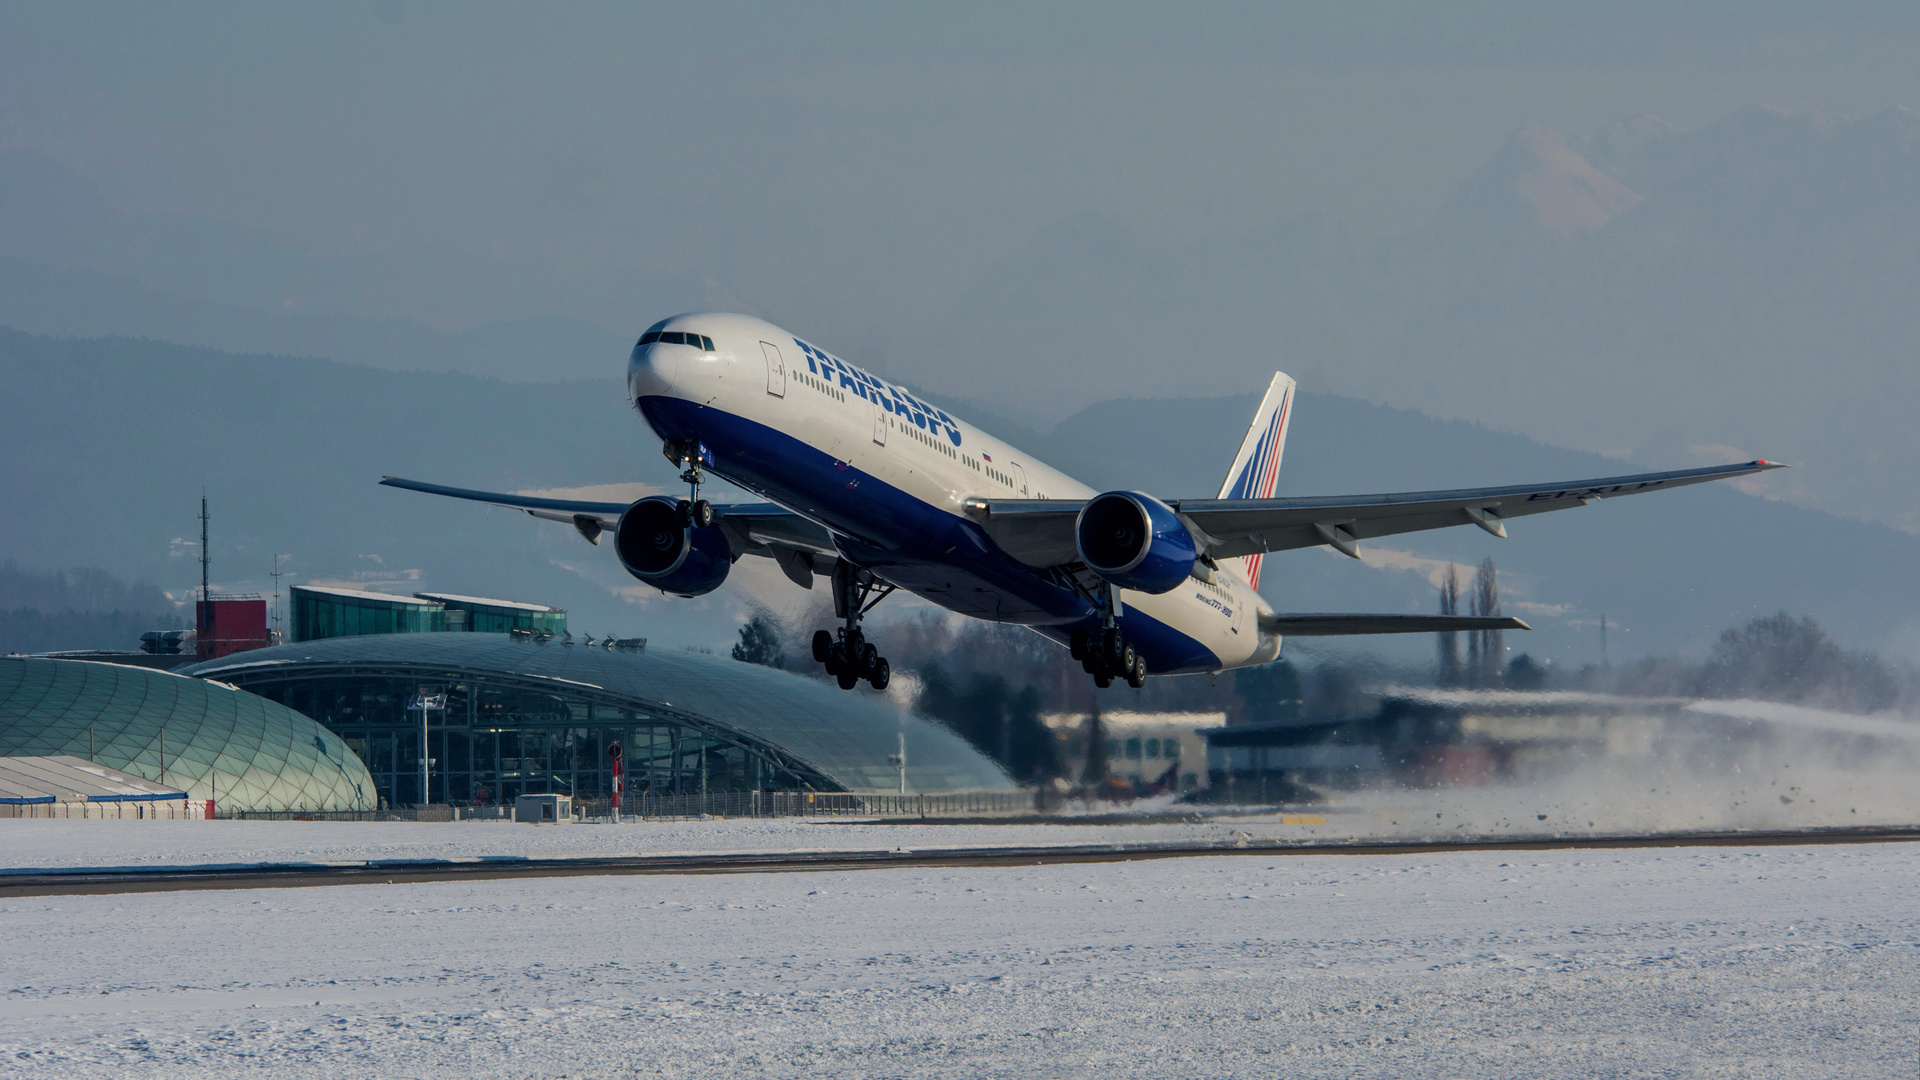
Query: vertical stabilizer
(1257, 466)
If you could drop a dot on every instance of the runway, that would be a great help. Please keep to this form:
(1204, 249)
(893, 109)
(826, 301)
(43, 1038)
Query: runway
(85, 882)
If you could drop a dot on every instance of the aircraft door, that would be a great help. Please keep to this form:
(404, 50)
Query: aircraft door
(1019, 478)
(880, 423)
(776, 371)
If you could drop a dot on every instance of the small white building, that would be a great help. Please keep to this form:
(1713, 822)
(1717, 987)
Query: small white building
(543, 809)
(1140, 747)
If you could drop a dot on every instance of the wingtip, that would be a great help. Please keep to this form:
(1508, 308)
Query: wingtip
(1519, 623)
(1763, 463)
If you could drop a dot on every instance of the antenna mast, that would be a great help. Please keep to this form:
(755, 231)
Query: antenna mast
(279, 635)
(204, 595)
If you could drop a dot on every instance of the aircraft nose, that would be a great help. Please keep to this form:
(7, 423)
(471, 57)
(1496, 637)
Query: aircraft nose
(651, 371)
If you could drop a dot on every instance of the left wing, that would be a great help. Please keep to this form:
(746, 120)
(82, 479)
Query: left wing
(752, 528)
(1040, 531)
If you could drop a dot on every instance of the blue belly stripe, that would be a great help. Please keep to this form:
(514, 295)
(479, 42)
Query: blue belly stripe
(924, 549)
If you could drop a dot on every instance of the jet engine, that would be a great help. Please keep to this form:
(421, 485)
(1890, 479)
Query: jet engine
(1135, 541)
(659, 547)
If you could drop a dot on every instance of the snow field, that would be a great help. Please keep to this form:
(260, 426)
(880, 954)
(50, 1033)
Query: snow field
(1719, 962)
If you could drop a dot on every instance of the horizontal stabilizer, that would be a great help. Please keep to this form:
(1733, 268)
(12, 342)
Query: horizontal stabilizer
(1340, 625)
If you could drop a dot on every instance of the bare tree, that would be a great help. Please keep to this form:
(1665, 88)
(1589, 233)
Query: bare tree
(1449, 639)
(1486, 647)
(1095, 773)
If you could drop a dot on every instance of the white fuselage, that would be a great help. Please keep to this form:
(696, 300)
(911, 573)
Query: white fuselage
(890, 474)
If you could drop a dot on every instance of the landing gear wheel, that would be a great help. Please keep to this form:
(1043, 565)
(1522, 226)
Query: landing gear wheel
(684, 511)
(1137, 675)
(847, 679)
(703, 514)
(1127, 659)
(822, 646)
(1077, 644)
(881, 674)
(1102, 679)
(869, 659)
(836, 660)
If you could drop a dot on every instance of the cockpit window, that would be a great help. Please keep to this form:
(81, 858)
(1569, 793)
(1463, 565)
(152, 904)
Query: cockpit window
(678, 337)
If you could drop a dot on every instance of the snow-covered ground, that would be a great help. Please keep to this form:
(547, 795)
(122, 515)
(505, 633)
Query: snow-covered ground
(1601, 800)
(1794, 962)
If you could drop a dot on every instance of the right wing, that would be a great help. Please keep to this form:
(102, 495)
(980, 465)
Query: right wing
(752, 528)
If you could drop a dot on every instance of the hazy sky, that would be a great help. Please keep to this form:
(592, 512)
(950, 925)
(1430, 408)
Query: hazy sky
(1005, 202)
(847, 167)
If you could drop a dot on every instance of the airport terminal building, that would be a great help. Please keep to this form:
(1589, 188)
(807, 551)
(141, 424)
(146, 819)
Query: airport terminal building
(511, 715)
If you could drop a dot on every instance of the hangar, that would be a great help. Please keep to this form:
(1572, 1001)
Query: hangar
(209, 739)
(511, 715)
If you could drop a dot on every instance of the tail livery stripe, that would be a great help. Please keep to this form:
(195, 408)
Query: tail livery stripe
(1256, 468)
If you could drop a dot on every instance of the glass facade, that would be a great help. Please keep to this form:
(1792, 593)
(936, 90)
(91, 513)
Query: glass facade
(488, 743)
(496, 616)
(329, 613)
(215, 742)
(508, 717)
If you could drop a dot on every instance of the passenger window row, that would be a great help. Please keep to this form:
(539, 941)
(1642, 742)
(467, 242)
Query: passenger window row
(676, 337)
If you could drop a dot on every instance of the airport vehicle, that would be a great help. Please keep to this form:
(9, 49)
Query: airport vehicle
(874, 489)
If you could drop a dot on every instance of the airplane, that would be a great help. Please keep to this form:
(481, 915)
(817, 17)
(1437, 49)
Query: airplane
(874, 489)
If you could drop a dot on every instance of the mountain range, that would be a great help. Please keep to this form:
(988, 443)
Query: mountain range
(113, 441)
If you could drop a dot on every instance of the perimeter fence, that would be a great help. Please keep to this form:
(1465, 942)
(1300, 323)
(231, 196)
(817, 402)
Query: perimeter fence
(719, 804)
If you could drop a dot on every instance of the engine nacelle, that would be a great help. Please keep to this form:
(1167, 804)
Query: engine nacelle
(1135, 541)
(655, 547)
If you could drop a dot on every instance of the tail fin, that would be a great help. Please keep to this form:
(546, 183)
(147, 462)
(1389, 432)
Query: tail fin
(1257, 466)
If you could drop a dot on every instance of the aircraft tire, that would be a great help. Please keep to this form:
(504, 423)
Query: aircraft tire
(847, 679)
(1077, 644)
(703, 514)
(882, 674)
(1137, 674)
(869, 659)
(822, 646)
(1102, 680)
(1127, 659)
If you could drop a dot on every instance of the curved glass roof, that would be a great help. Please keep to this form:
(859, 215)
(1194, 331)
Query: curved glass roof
(213, 740)
(844, 737)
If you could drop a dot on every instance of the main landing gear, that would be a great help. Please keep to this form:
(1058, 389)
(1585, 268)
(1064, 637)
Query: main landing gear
(1104, 652)
(850, 657)
(1106, 655)
(687, 453)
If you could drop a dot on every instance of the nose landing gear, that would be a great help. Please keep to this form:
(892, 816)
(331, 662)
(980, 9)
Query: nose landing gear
(690, 454)
(849, 657)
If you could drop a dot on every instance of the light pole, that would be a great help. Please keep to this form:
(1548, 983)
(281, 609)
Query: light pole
(899, 761)
(424, 701)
